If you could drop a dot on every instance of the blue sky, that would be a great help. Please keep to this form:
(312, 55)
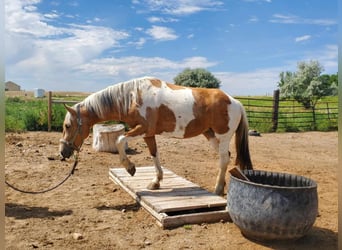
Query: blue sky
(80, 45)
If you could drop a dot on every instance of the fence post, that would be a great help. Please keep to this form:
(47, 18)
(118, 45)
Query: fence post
(328, 111)
(275, 110)
(314, 117)
(49, 110)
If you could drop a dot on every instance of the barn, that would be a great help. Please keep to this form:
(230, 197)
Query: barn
(11, 86)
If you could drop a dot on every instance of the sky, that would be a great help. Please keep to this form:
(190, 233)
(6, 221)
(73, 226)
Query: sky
(80, 45)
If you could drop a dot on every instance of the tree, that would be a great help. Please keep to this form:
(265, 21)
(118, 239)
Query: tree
(330, 81)
(199, 78)
(306, 85)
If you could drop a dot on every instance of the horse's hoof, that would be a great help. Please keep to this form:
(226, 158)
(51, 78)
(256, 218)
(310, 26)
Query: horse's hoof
(153, 186)
(219, 192)
(131, 171)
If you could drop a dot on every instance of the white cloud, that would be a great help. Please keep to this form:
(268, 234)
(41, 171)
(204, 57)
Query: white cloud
(94, 20)
(73, 3)
(139, 43)
(253, 19)
(252, 1)
(51, 15)
(302, 38)
(292, 19)
(265, 81)
(161, 33)
(180, 7)
(256, 82)
(327, 57)
(71, 57)
(279, 18)
(38, 50)
(139, 29)
(154, 19)
(134, 66)
(52, 62)
(21, 18)
(101, 72)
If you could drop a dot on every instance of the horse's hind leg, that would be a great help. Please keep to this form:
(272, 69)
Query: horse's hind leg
(214, 142)
(224, 155)
(152, 146)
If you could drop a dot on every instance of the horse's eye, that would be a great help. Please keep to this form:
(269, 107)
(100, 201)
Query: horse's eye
(67, 126)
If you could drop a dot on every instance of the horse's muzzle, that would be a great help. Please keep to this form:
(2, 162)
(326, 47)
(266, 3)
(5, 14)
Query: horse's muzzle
(65, 150)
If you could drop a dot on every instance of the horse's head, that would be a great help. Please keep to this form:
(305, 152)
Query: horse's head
(75, 130)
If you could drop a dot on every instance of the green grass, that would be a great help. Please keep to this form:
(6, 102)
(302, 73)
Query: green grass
(30, 114)
(22, 115)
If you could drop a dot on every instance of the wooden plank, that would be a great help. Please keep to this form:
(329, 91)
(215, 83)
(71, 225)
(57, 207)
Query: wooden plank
(176, 203)
(179, 205)
(195, 218)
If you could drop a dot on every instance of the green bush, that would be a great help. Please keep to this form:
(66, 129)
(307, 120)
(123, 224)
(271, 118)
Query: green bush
(13, 125)
(36, 120)
(25, 115)
(58, 114)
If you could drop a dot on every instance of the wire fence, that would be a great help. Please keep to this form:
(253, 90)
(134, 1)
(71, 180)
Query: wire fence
(272, 115)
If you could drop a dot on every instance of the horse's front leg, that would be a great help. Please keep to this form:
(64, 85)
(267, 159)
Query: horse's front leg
(152, 146)
(120, 144)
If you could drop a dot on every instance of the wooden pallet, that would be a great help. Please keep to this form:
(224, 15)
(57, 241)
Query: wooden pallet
(177, 202)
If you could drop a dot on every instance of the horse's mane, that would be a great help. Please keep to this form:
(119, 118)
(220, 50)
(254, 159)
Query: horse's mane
(116, 98)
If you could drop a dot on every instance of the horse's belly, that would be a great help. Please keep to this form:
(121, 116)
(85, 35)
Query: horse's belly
(182, 130)
(175, 134)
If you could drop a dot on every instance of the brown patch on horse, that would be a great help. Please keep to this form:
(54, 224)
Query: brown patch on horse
(210, 111)
(139, 100)
(209, 134)
(152, 146)
(156, 83)
(174, 86)
(161, 119)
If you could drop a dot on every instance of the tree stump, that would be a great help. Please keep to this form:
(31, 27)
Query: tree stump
(104, 137)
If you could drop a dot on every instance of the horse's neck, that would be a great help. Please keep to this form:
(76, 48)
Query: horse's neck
(115, 110)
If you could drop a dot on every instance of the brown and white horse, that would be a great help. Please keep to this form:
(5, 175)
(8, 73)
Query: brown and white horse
(151, 107)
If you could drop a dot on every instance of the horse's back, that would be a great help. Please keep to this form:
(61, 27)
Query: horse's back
(192, 111)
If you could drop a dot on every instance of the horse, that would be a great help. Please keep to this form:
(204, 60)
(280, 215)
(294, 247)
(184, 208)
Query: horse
(150, 107)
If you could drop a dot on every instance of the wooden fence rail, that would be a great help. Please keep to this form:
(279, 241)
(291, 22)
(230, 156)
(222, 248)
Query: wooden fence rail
(50, 102)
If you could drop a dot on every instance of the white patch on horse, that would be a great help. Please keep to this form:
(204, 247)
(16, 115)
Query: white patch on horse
(234, 110)
(179, 101)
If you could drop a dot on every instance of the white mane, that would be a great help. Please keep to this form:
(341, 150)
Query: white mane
(116, 98)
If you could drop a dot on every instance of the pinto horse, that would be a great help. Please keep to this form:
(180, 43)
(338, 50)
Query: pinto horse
(150, 107)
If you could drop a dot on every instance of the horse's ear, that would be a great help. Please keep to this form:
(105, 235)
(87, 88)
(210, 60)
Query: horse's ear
(70, 109)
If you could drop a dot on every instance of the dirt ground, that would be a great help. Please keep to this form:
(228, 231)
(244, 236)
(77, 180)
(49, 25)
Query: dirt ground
(89, 211)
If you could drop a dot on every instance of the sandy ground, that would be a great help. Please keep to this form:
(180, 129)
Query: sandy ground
(103, 216)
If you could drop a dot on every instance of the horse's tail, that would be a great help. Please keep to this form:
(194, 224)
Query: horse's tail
(243, 158)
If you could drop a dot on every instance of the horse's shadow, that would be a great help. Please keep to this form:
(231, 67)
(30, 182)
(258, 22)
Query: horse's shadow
(130, 151)
(317, 238)
(130, 207)
(22, 212)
